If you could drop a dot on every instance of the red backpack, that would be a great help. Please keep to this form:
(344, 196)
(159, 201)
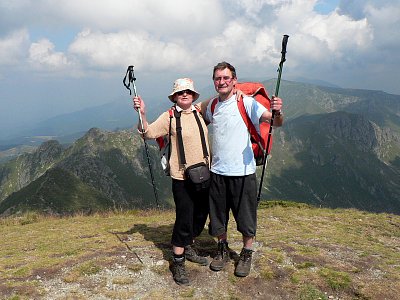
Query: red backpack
(258, 141)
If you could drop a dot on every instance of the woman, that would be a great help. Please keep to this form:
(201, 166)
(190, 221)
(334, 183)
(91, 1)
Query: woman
(191, 206)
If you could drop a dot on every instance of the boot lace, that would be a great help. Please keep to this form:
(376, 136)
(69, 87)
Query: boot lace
(180, 271)
(245, 255)
(222, 251)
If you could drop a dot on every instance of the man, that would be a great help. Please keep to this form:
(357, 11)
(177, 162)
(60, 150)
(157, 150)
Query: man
(233, 180)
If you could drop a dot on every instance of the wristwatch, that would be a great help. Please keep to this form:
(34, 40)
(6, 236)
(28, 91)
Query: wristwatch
(278, 113)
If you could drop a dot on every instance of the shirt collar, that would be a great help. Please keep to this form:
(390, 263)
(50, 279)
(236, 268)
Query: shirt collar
(228, 99)
(179, 109)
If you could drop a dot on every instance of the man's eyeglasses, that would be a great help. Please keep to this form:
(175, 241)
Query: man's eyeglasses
(227, 79)
(189, 92)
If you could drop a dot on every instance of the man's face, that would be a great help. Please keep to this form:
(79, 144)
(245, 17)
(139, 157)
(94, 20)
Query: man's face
(224, 82)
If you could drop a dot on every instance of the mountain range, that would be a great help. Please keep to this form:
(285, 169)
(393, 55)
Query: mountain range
(100, 171)
(337, 148)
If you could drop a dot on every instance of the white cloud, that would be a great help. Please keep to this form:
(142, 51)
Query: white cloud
(193, 35)
(111, 50)
(172, 18)
(13, 47)
(335, 30)
(256, 9)
(386, 23)
(43, 56)
(338, 31)
(241, 42)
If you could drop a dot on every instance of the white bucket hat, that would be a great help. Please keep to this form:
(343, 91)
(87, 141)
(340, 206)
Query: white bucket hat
(182, 84)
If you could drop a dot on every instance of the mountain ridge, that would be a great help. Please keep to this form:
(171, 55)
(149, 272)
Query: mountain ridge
(119, 114)
(337, 148)
(111, 163)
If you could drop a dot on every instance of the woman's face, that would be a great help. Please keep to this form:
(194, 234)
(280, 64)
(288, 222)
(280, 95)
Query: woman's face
(184, 99)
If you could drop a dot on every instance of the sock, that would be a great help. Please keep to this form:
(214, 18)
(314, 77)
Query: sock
(178, 257)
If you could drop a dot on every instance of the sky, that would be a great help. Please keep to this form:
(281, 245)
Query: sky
(59, 56)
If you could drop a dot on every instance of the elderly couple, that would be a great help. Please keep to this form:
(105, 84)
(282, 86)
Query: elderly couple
(233, 181)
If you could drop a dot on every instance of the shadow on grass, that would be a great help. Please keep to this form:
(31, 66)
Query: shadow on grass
(160, 236)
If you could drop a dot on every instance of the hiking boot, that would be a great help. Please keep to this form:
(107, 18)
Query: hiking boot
(179, 271)
(221, 258)
(192, 255)
(244, 264)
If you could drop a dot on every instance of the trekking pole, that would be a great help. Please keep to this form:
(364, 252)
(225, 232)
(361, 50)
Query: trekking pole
(130, 76)
(278, 82)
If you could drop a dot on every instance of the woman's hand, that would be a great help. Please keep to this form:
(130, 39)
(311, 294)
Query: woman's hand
(138, 104)
(238, 93)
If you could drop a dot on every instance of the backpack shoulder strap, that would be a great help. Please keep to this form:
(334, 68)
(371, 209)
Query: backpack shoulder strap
(171, 112)
(249, 124)
(179, 138)
(213, 104)
(162, 141)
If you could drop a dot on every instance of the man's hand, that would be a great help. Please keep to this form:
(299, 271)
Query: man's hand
(276, 103)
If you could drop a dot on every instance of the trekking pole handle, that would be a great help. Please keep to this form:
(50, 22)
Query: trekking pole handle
(283, 59)
(130, 77)
(284, 44)
(133, 81)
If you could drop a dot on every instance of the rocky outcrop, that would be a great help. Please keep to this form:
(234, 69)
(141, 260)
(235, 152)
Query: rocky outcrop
(352, 128)
(18, 173)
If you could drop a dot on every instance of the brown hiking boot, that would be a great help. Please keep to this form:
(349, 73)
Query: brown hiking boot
(179, 271)
(221, 258)
(192, 255)
(244, 264)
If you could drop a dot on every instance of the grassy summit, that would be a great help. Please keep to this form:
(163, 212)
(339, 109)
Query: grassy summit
(302, 252)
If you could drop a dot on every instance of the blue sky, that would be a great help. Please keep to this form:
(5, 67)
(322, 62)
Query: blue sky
(326, 6)
(62, 56)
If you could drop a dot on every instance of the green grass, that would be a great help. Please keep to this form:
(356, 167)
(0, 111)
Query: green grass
(309, 292)
(336, 280)
(302, 252)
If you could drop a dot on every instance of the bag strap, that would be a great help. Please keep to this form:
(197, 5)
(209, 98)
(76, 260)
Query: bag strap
(203, 139)
(181, 149)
